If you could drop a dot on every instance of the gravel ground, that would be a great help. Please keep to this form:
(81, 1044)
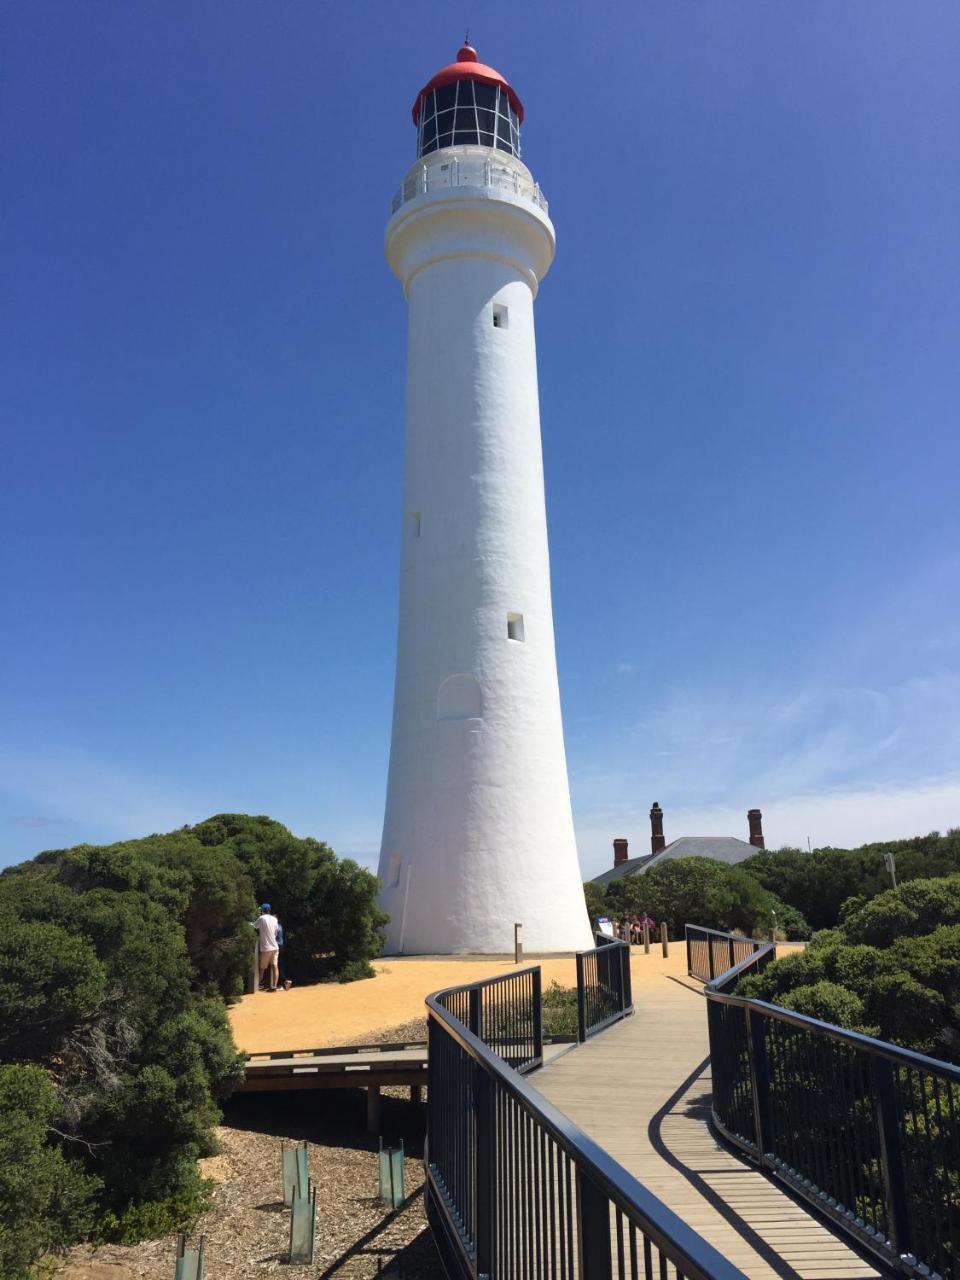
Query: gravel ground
(247, 1227)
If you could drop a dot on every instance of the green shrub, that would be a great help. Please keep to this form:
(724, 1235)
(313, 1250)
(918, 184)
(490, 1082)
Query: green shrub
(827, 1001)
(897, 956)
(327, 906)
(917, 907)
(356, 971)
(559, 1010)
(46, 1199)
(905, 1011)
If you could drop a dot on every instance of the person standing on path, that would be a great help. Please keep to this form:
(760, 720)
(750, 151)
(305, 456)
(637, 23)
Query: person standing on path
(268, 927)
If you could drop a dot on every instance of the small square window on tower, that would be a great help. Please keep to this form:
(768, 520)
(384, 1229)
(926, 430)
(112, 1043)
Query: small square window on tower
(514, 626)
(501, 317)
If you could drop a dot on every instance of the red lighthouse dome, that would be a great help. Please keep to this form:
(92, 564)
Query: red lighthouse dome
(467, 103)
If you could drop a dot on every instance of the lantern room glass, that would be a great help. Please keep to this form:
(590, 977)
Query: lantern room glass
(467, 113)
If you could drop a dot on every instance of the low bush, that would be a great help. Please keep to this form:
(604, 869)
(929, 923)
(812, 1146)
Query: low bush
(559, 1010)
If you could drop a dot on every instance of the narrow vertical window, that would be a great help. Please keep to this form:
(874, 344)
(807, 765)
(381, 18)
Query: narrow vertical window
(415, 525)
(395, 864)
(500, 317)
(514, 626)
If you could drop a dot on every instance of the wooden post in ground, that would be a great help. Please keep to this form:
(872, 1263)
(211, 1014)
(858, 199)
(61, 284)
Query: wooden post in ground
(665, 938)
(646, 938)
(253, 981)
(373, 1108)
(517, 943)
(416, 1092)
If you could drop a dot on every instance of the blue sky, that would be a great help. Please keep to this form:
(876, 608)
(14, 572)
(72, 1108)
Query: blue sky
(749, 377)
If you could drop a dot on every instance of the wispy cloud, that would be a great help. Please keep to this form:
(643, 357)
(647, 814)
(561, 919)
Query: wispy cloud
(35, 822)
(96, 799)
(842, 818)
(842, 764)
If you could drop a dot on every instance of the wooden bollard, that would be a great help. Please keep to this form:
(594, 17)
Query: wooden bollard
(646, 938)
(665, 939)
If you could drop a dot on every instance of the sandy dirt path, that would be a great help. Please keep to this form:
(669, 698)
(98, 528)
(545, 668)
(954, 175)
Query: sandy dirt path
(326, 1014)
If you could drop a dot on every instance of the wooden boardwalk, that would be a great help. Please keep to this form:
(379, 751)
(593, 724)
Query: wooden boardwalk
(642, 1090)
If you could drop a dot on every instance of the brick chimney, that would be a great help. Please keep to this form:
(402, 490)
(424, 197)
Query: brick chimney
(657, 841)
(619, 851)
(755, 819)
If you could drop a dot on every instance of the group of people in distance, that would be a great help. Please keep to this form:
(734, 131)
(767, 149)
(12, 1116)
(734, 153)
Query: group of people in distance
(632, 930)
(268, 950)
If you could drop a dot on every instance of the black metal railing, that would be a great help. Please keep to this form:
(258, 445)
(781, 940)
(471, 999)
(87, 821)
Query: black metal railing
(506, 1013)
(604, 991)
(866, 1132)
(514, 1189)
(710, 953)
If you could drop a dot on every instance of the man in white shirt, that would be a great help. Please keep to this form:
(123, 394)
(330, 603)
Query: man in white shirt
(268, 927)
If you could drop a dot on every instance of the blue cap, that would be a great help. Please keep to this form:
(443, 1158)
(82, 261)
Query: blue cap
(264, 906)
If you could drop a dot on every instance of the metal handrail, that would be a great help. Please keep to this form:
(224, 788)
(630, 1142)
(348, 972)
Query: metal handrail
(604, 986)
(855, 1039)
(505, 1118)
(723, 933)
(446, 170)
(519, 1041)
(865, 1131)
(699, 938)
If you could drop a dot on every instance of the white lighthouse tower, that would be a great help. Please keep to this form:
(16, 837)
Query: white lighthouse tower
(478, 832)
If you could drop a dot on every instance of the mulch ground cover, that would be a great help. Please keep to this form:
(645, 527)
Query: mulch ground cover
(247, 1227)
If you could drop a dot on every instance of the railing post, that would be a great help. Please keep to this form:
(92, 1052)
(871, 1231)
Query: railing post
(593, 1230)
(733, 959)
(627, 980)
(475, 1013)
(537, 1015)
(710, 967)
(884, 1085)
(486, 1169)
(581, 1002)
(686, 934)
(760, 1083)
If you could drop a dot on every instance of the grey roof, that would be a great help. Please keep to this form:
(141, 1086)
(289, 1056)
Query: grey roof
(722, 848)
(625, 869)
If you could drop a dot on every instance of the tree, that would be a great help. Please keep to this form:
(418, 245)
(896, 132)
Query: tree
(897, 958)
(46, 1200)
(595, 896)
(328, 906)
(114, 964)
(700, 891)
(818, 884)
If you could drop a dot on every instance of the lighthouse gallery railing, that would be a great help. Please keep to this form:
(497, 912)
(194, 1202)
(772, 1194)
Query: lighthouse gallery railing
(864, 1131)
(467, 171)
(513, 1187)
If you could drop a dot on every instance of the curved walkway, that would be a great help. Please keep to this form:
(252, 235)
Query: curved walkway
(642, 1090)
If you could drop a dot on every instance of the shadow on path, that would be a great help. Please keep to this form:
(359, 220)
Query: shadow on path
(697, 1107)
